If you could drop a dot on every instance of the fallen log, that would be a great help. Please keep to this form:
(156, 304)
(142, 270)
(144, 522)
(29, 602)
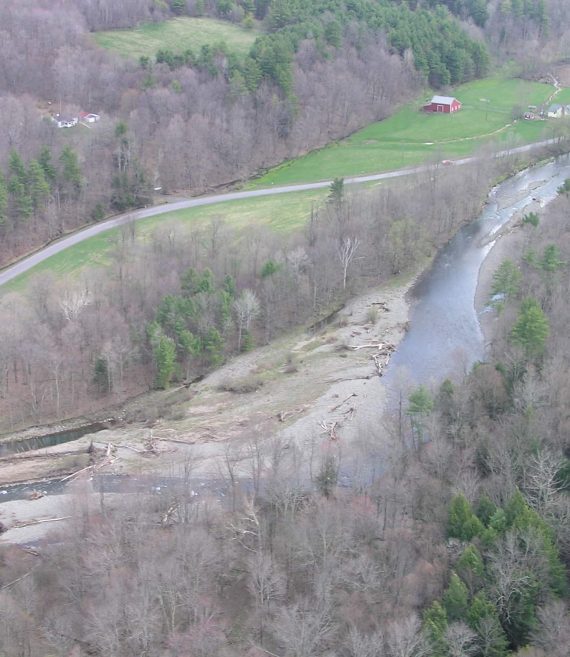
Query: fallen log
(167, 516)
(378, 346)
(30, 523)
(74, 474)
(334, 408)
(133, 449)
(330, 430)
(175, 440)
(365, 377)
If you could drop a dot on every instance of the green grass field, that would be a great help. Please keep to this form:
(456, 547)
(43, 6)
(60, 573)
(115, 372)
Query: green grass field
(281, 213)
(563, 96)
(177, 34)
(411, 136)
(405, 139)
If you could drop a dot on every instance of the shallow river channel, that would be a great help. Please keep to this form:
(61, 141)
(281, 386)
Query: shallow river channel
(445, 334)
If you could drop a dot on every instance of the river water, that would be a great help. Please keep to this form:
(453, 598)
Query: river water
(445, 336)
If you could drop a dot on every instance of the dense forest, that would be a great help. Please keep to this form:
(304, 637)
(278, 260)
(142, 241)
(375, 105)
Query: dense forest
(459, 548)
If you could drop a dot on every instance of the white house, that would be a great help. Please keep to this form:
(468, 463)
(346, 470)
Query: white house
(555, 111)
(65, 121)
(88, 117)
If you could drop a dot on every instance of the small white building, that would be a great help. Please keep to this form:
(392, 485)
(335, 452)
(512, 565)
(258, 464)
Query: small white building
(65, 121)
(88, 117)
(555, 111)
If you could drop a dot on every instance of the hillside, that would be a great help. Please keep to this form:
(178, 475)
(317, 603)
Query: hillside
(318, 421)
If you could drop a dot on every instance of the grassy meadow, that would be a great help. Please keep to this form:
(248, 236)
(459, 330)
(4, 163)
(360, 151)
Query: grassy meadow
(282, 214)
(411, 136)
(563, 97)
(176, 34)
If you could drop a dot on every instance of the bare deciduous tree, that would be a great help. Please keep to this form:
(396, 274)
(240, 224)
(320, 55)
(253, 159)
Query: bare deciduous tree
(346, 253)
(246, 309)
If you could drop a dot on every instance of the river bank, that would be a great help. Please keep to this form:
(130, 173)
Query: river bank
(508, 244)
(307, 390)
(314, 391)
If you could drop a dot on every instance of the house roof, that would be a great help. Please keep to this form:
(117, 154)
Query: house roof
(443, 100)
(555, 107)
(64, 118)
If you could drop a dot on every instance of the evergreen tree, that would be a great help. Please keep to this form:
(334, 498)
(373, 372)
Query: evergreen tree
(18, 188)
(551, 261)
(164, 352)
(419, 407)
(483, 619)
(101, 375)
(456, 599)
(531, 329)
(70, 181)
(435, 626)
(506, 280)
(47, 166)
(463, 523)
(178, 7)
(485, 509)
(214, 346)
(470, 567)
(38, 185)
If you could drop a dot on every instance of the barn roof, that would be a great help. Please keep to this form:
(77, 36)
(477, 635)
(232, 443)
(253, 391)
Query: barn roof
(443, 100)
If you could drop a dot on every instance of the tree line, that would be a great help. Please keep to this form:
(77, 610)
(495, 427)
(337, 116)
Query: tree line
(164, 311)
(321, 71)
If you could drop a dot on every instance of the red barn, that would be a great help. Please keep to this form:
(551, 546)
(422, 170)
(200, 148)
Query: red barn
(445, 104)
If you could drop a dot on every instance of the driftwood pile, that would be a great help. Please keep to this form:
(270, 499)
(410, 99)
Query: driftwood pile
(381, 358)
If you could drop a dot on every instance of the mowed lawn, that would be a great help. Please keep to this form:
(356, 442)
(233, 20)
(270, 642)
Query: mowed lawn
(411, 136)
(282, 213)
(177, 34)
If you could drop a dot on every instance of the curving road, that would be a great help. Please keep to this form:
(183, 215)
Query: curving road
(24, 265)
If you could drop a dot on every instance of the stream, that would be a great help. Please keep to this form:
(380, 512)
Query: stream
(444, 337)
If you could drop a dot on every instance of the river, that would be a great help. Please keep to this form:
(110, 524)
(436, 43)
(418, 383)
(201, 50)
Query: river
(445, 335)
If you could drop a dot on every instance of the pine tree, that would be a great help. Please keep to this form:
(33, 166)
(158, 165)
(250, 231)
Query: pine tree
(70, 175)
(18, 187)
(463, 523)
(470, 567)
(531, 329)
(435, 626)
(165, 360)
(482, 618)
(46, 164)
(39, 187)
(456, 599)
(506, 280)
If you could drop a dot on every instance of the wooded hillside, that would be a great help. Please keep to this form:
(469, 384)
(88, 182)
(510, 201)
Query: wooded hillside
(460, 547)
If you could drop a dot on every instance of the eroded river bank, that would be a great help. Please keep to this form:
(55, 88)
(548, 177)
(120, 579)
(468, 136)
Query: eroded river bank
(313, 390)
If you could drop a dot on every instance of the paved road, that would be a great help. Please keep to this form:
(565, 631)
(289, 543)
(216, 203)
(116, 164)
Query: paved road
(27, 263)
